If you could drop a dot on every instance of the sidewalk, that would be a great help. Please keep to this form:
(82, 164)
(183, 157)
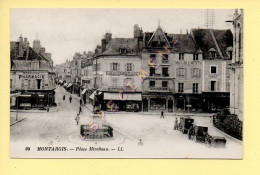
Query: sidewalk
(13, 120)
(52, 109)
(90, 107)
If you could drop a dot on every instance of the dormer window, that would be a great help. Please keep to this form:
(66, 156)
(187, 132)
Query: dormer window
(213, 53)
(195, 56)
(229, 52)
(122, 51)
(181, 56)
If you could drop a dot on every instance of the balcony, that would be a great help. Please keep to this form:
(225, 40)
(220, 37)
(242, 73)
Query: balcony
(159, 88)
(165, 61)
(117, 88)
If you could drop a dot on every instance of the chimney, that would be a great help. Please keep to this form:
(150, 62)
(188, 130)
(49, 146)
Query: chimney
(108, 37)
(21, 39)
(103, 44)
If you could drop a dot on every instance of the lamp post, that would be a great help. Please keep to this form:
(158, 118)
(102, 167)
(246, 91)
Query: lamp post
(183, 102)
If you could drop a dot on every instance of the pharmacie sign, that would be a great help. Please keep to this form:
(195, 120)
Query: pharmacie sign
(30, 75)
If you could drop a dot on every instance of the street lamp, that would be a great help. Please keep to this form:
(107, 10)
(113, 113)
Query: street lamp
(183, 102)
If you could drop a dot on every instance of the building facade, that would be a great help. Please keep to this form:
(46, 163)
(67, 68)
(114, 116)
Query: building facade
(31, 78)
(216, 46)
(174, 81)
(236, 67)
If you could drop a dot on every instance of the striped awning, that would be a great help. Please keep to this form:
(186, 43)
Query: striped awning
(84, 91)
(69, 85)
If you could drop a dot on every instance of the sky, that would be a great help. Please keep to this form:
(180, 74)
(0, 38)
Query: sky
(65, 31)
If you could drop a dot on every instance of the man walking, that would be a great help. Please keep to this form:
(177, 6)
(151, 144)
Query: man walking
(176, 124)
(80, 109)
(77, 119)
(80, 102)
(162, 116)
(70, 99)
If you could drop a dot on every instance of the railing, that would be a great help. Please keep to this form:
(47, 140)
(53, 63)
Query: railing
(165, 61)
(159, 88)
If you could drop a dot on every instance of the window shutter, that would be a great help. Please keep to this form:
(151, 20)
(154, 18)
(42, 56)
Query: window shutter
(185, 72)
(125, 82)
(217, 88)
(111, 66)
(209, 85)
(125, 66)
(118, 66)
(191, 73)
(133, 67)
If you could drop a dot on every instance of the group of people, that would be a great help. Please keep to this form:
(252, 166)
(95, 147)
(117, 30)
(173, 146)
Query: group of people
(80, 109)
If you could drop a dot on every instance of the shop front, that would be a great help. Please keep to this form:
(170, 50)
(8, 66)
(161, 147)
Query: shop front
(36, 99)
(122, 101)
(188, 102)
(158, 102)
(215, 101)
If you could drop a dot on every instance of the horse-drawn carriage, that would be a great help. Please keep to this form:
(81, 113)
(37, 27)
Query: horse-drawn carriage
(216, 141)
(198, 133)
(185, 124)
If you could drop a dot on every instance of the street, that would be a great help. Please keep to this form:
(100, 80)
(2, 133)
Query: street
(157, 134)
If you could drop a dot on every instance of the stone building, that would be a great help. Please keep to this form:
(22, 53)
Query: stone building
(236, 66)
(31, 78)
(174, 81)
(114, 66)
(216, 46)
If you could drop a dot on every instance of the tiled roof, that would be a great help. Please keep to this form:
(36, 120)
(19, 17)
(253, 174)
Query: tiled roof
(114, 46)
(178, 42)
(205, 41)
(26, 65)
(183, 43)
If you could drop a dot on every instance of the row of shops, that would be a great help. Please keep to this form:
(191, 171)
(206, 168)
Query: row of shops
(146, 102)
(32, 99)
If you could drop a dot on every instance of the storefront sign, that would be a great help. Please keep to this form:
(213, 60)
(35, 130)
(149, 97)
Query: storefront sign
(188, 62)
(31, 76)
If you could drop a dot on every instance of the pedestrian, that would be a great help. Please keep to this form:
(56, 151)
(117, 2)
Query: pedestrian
(80, 110)
(70, 99)
(140, 143)
(190, 132)
(176, 124)
(162, 116)
(63, 97)
(77, 119)
(80, 102)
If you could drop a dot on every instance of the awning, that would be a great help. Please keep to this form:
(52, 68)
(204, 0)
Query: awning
(125, 96)
(25, 95)
(92, 95)
(41, 95)
(84, 91)
(69, 85)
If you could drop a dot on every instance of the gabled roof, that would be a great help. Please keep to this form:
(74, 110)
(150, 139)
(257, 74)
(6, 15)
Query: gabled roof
(114, 46)
(205, 41)
(159, 35)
